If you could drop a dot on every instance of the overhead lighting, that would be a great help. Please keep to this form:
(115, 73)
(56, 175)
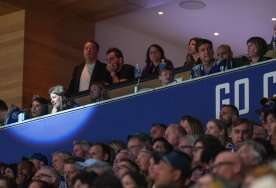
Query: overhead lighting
(273, 19)
(216, 33)
(160, 13)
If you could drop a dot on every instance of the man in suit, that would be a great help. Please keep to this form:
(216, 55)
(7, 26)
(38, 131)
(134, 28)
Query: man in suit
(89, 71)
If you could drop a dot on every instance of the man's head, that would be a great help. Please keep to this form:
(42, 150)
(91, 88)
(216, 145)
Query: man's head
(90, 51)
(97, 92)
(216, 128)
(135, 144)
(241, 131)
(256, 47)
(173, 134)
(157, 130)
(49, 175)
(3, 111)
(186, 144)
(100, 152)
(205, 50)
(70, 170)
(228, 114)
(39, 160)
(25, 171)
(143, 160)
(115, 58)
(224, 52)
(161, 146)
(228, 165)
(80, 149)
(58, 159)
(173, 169)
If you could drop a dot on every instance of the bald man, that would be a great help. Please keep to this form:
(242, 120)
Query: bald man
(228, 165)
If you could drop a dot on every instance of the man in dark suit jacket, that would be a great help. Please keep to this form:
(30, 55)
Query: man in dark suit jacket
(91, 70)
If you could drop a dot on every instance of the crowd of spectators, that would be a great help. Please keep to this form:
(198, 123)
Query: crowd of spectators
(228, 152)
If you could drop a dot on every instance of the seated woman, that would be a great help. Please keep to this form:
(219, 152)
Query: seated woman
(59, 100)
(155, 61)
(256, 49)
(39, 107)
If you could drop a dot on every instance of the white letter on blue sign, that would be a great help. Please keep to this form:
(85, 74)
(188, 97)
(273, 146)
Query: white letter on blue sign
(245, 83)
(265, 82)
(226, 87)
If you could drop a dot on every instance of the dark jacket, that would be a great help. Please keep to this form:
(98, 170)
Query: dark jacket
(98, 75)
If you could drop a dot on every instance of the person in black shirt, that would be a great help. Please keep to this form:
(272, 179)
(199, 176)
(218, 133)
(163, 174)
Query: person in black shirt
(118, 72)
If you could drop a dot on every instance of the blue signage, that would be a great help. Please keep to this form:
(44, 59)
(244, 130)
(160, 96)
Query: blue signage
(116, 118)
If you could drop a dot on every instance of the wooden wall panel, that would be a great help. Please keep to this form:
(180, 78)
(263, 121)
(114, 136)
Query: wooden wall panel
(11, 57)
(53, 46)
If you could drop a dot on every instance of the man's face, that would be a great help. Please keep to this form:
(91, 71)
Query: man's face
(165, 76)
(157, 132)
(78, 151)
(90, 51)
(58, 163)
(96, 152)
(95, 92)
(192, 47)
(226, 115)
(240, 133)
(252, 50)
(159, 147)
(205, 53)
(223, 54)
(114, 61)
(45, 175)
(171, 136)
(185, 147)
(165, 174)
(36, 109)
(134, 146)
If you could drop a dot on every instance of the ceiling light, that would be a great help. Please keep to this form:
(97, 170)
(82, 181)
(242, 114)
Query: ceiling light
(160, 13)
(273, 19)
(216, 33)
(192, 4)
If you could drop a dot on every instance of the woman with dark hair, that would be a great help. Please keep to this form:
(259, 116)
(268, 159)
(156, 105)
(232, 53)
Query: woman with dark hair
(192, 57)
(39, 107)
(133, 180)
(59, 100)
(217, 129)
(155, 61)
(191, 125)
(256, 48)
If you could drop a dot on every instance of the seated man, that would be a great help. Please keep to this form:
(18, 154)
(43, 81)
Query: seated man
(208, 65)
(118, 72)
(224, 54)
(89, 71)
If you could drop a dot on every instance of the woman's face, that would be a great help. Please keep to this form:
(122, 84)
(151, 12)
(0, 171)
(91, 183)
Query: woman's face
(155, 55)
(36, 109)
(56, 100)
(192, 47)
(197, 152)
(252, 50)
(212, 129)
(128, 182)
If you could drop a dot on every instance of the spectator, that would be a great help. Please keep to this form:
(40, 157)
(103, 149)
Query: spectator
(240, 131)
(208, 65)
(166, 76)
(191, 125)
(161, 146)
(192, 57)
(217, 129)
(252, 154)
(81, 149)
(225, 55)
(38, 159)
(91, 70)
(49, 175)
(97, 92)
(100, 151)
(157, 130)
(173, 170)
(6, 182)
(25, 171)
(70, 171)
(173, 134)
(259, 132)
(11, 171)
(58, 160)
(135, 144)
(125, 166)
(3, 112)
(143, 160)
(39, 107)
(84, 179)
(229, 166)
(118, 72)
(186, 144)
(59, 100)
(133, 180)
(155, 61)
(228, 114)
(40, 184)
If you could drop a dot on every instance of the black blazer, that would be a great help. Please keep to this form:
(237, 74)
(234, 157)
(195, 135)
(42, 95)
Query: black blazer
(98, 75)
